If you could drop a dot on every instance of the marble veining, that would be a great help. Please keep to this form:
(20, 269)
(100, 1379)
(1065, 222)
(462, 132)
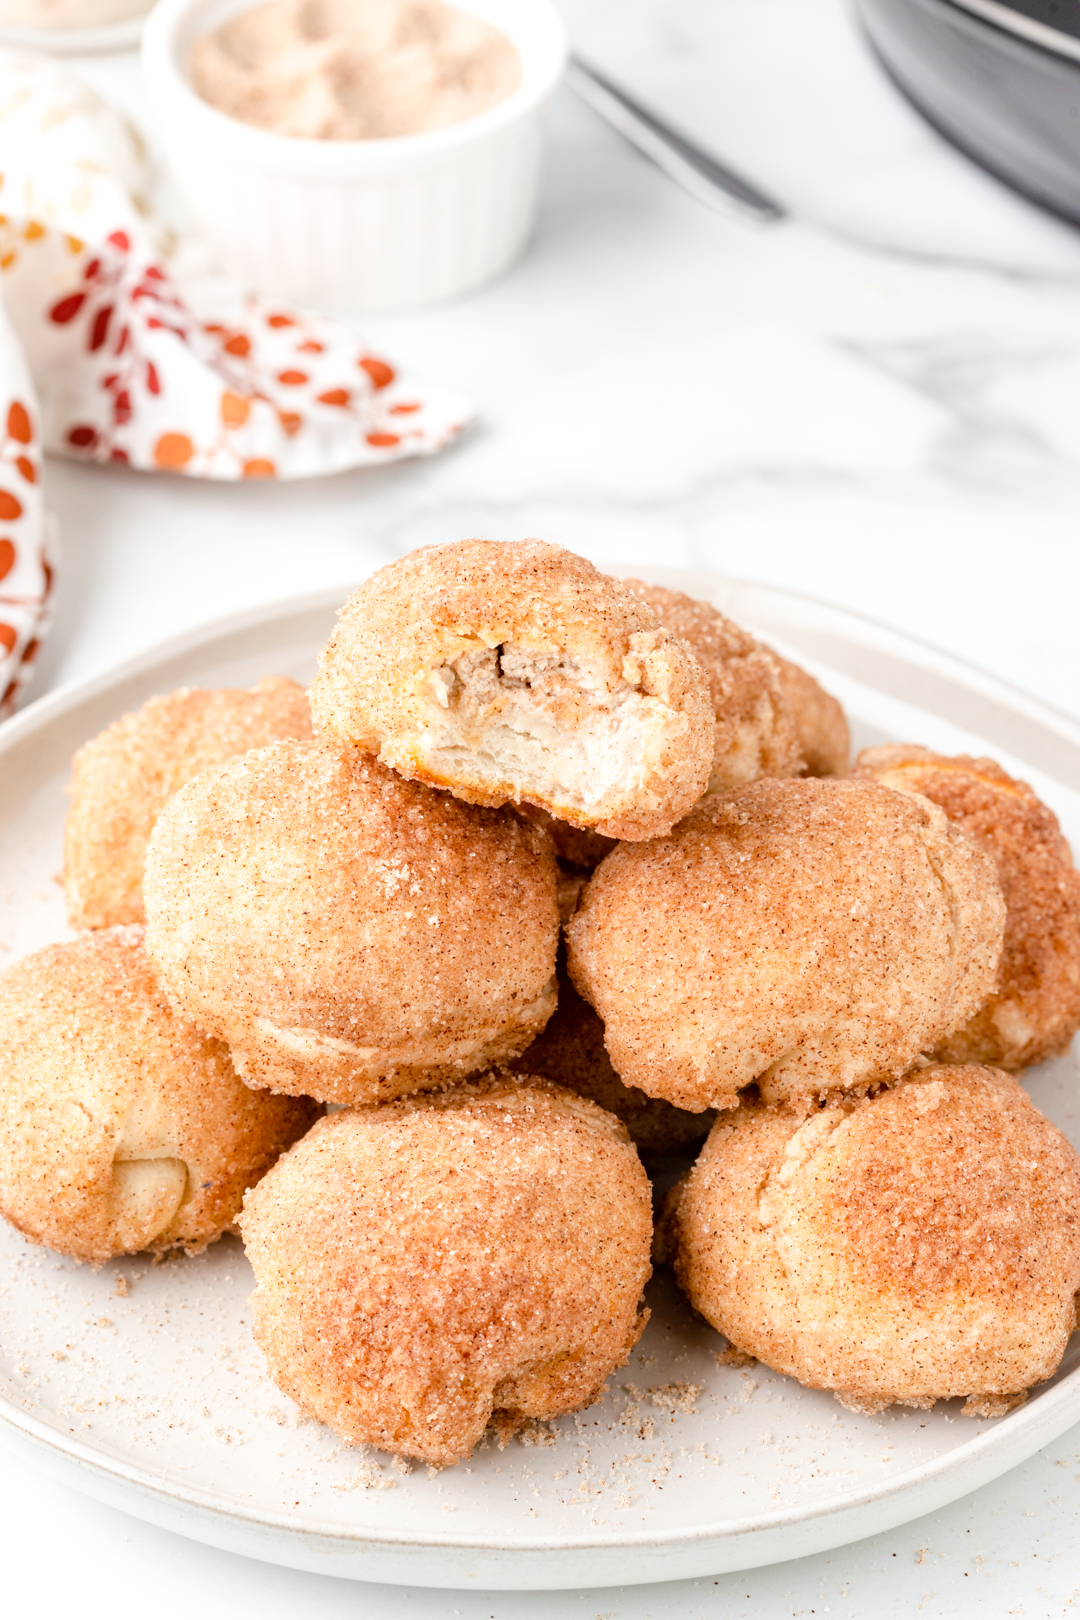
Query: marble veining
(875, 402)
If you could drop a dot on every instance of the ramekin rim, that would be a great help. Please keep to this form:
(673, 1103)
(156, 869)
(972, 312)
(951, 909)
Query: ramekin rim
(299, 152)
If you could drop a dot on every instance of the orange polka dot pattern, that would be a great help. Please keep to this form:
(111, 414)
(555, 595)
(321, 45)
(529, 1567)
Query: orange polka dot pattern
(25, 574)
(131, 376)
(125, 371)
(102, 359)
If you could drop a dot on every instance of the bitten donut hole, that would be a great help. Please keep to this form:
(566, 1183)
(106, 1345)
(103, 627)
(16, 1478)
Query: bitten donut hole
(515, 672)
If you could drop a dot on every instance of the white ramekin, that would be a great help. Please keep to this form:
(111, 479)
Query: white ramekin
(360, 225)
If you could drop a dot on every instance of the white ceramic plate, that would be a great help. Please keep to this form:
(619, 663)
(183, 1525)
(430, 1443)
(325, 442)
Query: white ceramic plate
(156, 1400)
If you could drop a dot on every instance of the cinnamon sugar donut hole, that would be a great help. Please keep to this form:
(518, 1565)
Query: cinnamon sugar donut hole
(820, 722)
(518, 672)
(570, 1050)
(122, 779)
(121, 1127)
(812, 936)
(350, 935)
(431, 1263)
(909, 1247)
(1034, 1011)
(772, 717)
(754, 731)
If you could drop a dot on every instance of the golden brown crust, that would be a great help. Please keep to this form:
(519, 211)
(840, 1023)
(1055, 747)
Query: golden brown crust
(351, 935)
(121, 1127)
(518, 672)
(122, 779)
(1035, 1009)
(426, 1264)
(570, 1050)
(812, 936)
(908, 1247)
(820, 722)
(754, 728)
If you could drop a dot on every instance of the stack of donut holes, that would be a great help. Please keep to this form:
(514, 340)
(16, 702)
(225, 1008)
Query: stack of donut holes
(549, 879)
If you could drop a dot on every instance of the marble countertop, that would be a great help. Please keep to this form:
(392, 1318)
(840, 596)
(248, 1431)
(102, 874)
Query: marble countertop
(874, 404)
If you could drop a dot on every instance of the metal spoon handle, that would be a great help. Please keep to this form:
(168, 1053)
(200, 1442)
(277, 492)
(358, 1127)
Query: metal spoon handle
(697, 171)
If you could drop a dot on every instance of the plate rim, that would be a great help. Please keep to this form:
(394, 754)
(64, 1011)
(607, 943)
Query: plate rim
(1029, 1427)
(1039, 1416)
(122, 35)
(68, 693)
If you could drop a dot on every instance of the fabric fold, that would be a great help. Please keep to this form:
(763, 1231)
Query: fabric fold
(125, 369)
(104, 358)
(26, 573)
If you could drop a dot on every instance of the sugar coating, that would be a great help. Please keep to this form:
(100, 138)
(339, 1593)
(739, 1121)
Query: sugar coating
(122, 779)
(350, 935)
(754, 729)
(772, 717)
(121, 1126)
(570, 1050)
(428, 1264)
(1034, 1011)
(812, 936)
(516, 673)
(908, 1247)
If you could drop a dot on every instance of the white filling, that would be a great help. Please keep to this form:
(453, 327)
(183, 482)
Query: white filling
(144, 1198)
(149, 1180)
(548, 725)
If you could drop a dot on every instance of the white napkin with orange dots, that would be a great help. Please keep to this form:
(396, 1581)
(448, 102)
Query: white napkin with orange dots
(124, 369)
(103, 358)
(25, 573)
